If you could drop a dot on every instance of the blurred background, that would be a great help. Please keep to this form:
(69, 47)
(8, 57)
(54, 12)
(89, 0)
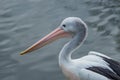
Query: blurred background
(23, 22)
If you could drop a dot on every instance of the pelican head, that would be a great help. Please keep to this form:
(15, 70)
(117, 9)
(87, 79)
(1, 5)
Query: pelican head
(73, 25)
(68, 28)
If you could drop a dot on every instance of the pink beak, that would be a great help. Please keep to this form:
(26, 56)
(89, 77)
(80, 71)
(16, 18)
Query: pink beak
(54, 35)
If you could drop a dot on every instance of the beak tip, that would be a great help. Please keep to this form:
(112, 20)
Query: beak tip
(22, 53)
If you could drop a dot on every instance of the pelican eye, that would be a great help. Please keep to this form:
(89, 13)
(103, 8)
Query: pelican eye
(64, 25)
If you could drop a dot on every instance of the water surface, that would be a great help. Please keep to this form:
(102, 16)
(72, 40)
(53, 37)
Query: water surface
(23, 22)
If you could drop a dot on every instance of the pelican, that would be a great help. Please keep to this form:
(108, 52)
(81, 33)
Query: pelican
(94, 66)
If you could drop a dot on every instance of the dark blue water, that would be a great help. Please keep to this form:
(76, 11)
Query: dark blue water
(23, 22)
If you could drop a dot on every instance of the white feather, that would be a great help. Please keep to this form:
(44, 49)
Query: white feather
(98, 54)
(92, 59)
(82, 64)
(90, 75)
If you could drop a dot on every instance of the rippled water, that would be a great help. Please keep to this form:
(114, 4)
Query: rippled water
(23, 22)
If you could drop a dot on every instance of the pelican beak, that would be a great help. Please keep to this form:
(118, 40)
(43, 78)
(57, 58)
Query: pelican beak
(54, 35)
